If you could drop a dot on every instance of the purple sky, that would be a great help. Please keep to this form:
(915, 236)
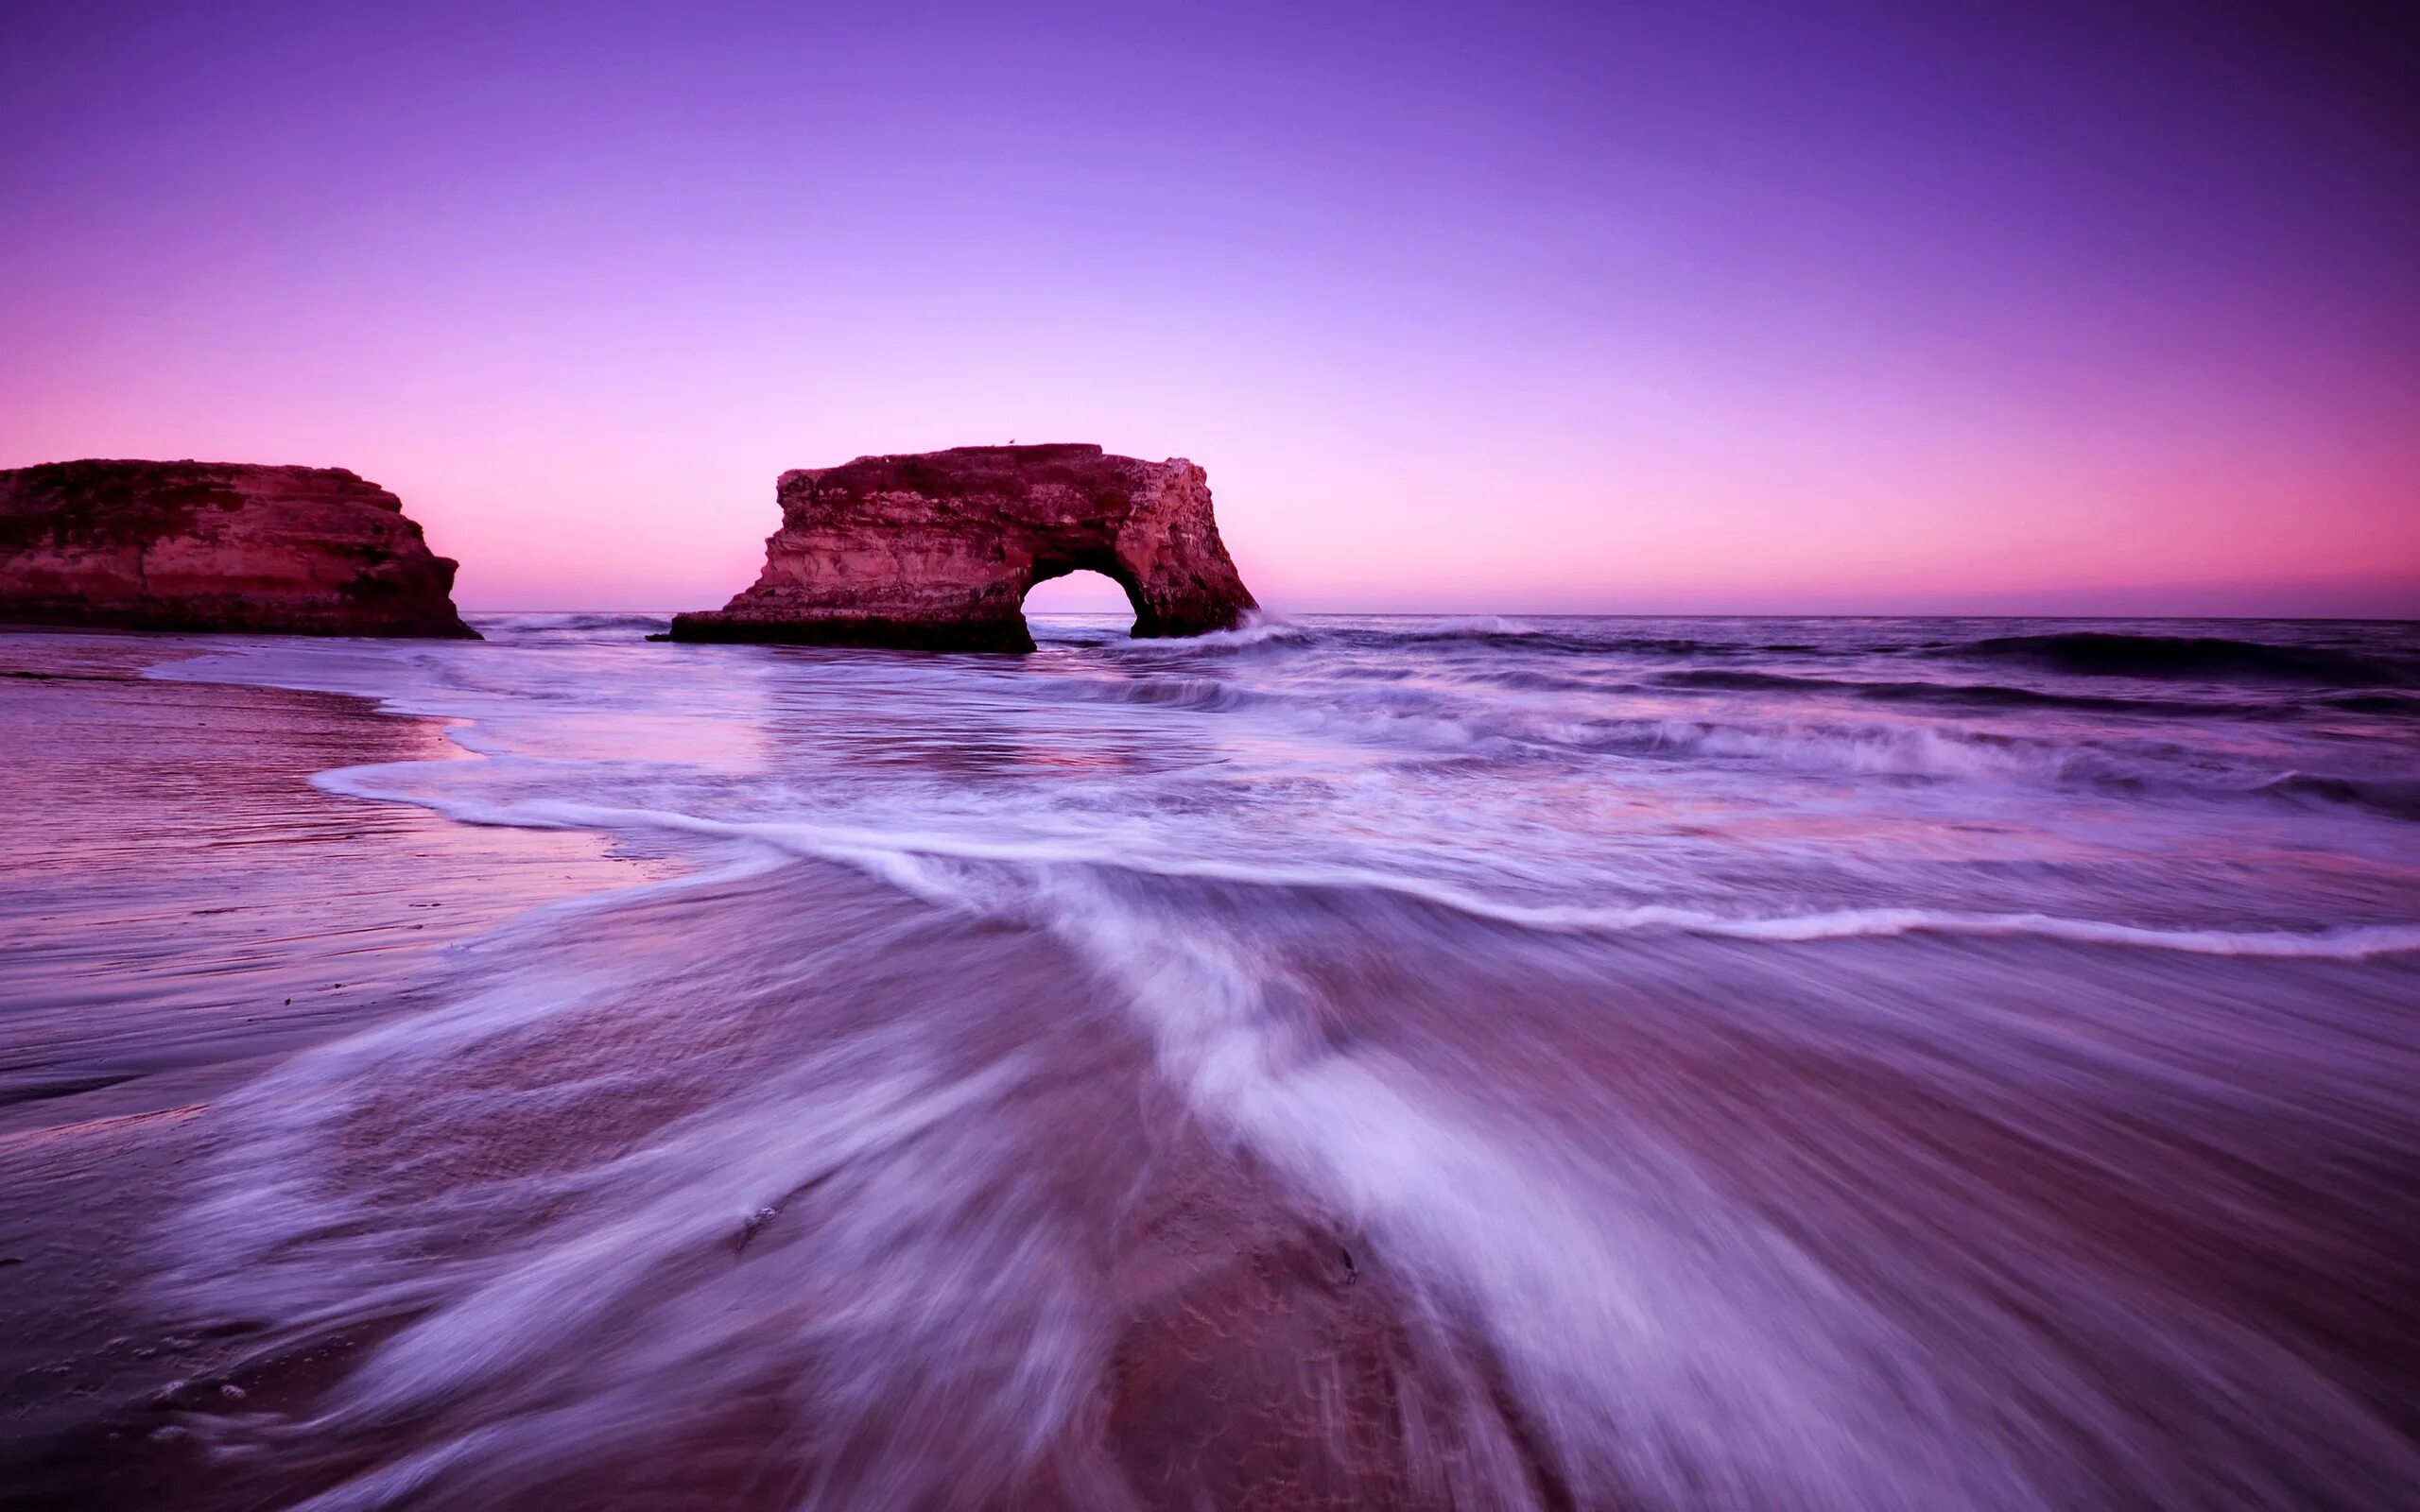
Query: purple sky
(1723, 308)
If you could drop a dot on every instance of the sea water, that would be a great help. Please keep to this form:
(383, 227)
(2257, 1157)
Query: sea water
(1689, 1063)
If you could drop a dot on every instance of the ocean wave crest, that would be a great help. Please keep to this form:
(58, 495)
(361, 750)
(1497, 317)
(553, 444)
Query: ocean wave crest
(2196, 658)
(1954, 695)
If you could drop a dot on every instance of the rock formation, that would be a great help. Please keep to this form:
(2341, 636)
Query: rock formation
(216, 547)
(938, 549)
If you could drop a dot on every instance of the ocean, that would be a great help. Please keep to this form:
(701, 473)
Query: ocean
(1388, 1061)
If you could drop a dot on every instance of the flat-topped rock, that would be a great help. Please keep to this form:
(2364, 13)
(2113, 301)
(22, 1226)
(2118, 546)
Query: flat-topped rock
(218, 546)
(938, 549)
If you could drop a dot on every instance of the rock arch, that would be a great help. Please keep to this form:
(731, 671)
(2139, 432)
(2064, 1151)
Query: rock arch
(938, 549)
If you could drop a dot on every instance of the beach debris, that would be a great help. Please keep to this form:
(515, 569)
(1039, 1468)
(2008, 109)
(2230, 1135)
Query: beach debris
(754, 1224)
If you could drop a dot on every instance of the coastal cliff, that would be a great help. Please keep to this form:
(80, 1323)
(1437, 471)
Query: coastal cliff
(218, 546)
(938, 549)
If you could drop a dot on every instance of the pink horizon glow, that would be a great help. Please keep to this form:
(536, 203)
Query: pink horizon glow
(1562, 316)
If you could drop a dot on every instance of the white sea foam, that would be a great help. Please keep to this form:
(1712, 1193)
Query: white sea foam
(899, 858)
(1260, 627)
(1541, 984)
(1750, 1382)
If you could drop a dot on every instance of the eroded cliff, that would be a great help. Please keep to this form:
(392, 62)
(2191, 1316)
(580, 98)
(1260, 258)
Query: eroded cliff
(216, 547)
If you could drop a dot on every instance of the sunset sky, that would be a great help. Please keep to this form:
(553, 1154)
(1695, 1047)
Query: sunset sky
(1488, 307)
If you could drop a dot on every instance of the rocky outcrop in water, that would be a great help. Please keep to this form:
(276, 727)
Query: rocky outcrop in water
(218, 546)
(938, 549)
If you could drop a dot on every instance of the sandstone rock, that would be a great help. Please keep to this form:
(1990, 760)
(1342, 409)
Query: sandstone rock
(216, 547)
(938, 549)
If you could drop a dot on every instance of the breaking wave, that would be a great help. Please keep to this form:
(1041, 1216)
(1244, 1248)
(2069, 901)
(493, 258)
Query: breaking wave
(2399, 798)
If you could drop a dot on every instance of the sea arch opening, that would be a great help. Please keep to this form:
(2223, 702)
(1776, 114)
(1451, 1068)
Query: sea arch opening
(1083, 593)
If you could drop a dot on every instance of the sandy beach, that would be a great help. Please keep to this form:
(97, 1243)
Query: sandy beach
(191, 911)
(184, 910)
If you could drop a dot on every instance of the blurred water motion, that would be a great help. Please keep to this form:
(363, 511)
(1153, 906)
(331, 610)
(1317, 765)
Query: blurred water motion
(1644, 1064)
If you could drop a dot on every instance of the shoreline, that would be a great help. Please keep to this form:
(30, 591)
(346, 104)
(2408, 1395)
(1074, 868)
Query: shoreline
(187, 910)
(1171, 1134)
(1234, 1304)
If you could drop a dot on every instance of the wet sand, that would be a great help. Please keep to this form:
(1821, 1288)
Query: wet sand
(189, 911)
(184, 910)
(867, 1166)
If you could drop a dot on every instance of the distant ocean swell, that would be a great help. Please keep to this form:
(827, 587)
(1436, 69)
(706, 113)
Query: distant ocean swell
(2207, 657)
(2210, 658)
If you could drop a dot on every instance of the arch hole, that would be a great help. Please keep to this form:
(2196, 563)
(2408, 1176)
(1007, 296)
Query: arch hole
(1083, 602)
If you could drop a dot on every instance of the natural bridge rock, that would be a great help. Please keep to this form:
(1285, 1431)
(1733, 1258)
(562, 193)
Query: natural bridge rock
(216, 547)
(938, 549)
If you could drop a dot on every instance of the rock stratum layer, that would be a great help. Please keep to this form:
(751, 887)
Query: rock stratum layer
(936, 550)
(218, 546)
